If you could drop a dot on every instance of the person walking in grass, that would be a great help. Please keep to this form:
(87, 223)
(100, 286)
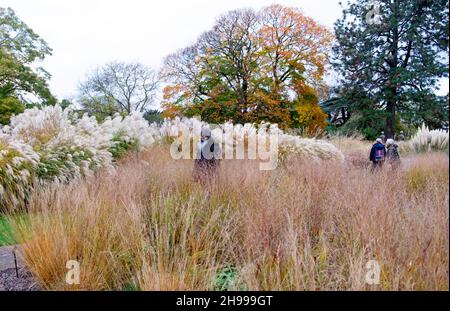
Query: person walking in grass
(207, 162)
(392, 155)
(377, 154)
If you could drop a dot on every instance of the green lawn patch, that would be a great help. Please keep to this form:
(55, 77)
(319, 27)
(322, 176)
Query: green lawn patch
(6, 237)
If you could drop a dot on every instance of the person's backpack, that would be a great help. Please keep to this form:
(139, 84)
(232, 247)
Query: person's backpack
(379, 155)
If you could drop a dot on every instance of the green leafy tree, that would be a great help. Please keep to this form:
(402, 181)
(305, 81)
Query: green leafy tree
(20, 47)
(9, 106)
(390, 54)
(65, 103)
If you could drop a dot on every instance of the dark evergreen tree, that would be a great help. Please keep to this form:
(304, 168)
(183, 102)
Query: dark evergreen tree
(390, 55)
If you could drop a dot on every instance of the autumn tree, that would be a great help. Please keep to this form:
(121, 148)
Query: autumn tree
(230, 62)
(295, 49)
(212, 77)
(118, 87)
(390, 54)
(308, 115)
(251, 66)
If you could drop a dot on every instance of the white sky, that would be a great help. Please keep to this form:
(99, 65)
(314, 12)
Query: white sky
(87, 33)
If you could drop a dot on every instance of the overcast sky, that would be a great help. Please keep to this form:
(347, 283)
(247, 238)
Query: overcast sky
(86, 33)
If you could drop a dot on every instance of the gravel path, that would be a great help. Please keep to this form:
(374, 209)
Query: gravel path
(7, 258)
(10, 282)
(8, 275)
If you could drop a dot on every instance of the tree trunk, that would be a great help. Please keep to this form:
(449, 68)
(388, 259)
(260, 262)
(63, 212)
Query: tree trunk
(390, 119)
(392, 92)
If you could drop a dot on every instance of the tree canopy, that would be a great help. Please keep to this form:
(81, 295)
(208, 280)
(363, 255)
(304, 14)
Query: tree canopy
(118, 87)
(20, 47)
(251, 66)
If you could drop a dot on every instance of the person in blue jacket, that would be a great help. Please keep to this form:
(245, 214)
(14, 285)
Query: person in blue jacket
(378, 154)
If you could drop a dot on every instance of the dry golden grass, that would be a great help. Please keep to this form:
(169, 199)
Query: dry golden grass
(351, 144)
(300, 227)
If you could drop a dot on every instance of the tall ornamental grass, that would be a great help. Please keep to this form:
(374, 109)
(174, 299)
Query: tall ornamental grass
(18, 161)
(239, 134)
(67, 146)
(427, 140)
(54, 145)
(305, 226)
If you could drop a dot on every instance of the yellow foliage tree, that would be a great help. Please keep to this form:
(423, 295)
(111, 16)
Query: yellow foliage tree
(307, 114)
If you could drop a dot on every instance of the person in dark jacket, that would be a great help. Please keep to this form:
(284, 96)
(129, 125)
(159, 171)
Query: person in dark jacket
(378, 154)
(207, 162)
(392, 155)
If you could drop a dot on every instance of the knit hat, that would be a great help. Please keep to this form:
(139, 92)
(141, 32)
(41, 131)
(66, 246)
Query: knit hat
(390, 141)
(206, 132)
(379, 140)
